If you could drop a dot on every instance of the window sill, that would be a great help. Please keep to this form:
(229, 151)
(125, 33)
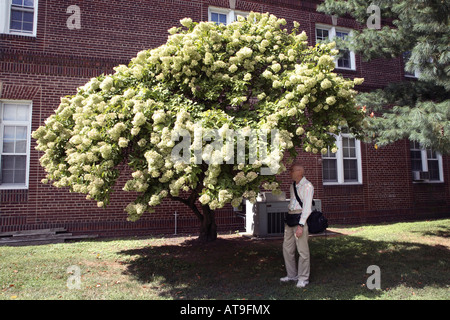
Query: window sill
(12, 187)
(342, 184)
(427, 182)
(345, 69)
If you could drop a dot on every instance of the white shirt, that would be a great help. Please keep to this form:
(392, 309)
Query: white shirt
(305, 191)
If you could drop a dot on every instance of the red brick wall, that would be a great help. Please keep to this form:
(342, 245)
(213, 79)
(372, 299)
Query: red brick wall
(58, 60)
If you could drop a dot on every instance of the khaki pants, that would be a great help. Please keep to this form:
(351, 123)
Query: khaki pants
(290, 243)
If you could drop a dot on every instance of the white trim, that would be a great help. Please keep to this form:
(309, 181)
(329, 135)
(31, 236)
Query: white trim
(230, 13)
(417, 72)
(5, 16)
(22, 123)
(424, 160)
(340, 162)
(331, 34)
(220, 11)
(440, 166)
(424, 157)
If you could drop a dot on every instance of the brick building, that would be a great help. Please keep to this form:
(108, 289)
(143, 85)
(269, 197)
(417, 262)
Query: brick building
(48, 48)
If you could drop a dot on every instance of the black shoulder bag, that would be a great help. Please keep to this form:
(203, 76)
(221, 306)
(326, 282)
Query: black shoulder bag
(317, 222)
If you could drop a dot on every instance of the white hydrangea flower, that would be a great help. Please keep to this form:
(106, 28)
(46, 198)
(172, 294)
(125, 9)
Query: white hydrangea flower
(276, 67)
(139, 119)
(159, 116)
(186, 22)
(204, 199)
(331, 100)
(233, 68)
(300, 131)
(128, 94)
(326, 84)
(123, 142)
(107, 83)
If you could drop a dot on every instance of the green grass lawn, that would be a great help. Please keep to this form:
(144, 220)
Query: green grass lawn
(413, 258)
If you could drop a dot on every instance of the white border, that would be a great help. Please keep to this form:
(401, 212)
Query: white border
(331, 34)
(424, 156)
(230, 13)
(27, 174)
(340, 162)
(5, 14)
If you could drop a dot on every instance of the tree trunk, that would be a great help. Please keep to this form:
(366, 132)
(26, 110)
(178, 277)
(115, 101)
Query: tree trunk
(208, 227)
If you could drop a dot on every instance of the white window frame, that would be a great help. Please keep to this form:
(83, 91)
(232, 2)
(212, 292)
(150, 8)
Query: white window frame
(416, 74)
(331, 34)
(407, 73)
(5, 16)
(424, 159)
(340, 162)
(17, 123)
(230, 13)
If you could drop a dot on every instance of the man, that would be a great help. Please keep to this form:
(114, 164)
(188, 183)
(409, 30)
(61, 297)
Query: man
(297, 236)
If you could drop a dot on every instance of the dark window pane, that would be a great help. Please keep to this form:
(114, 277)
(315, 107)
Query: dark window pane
(16, 15)
(19, 176)
(416, 160)
(350, 170)
(329, 170)
(27, 27)
(28, 16)
(8, 146)
(7, 162)
(20, 162)
(7, 176)
(341, 35)
(16, 25)
(433, 169)
(223, 18)
(14, 169)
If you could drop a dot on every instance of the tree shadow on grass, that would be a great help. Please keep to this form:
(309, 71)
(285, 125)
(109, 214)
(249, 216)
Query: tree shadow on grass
(341, 268)
(442, 232)
(240, 268)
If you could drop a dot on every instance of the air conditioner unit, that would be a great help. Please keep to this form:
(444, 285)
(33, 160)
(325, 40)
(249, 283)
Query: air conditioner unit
(420, 175)
(266, 217)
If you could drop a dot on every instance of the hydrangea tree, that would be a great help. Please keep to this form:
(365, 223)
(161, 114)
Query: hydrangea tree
(207, 83)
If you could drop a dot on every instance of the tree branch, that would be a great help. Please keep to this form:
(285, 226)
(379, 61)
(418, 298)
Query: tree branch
(190, 202)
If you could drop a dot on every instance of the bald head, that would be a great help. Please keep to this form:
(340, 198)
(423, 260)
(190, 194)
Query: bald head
(297, 171)
(297, 166)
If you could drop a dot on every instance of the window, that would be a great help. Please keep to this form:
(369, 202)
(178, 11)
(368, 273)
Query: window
(329, 167)
(218, 18)
(224, 16)
(350, 160)
(416, 73)
(346, 58)
(321, 34)
(15, 119)
(426, 164)
(344, 166)
(18, 17)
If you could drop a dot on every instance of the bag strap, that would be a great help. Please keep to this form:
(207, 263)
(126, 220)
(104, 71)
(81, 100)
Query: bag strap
(296, 194)
(298, 198)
